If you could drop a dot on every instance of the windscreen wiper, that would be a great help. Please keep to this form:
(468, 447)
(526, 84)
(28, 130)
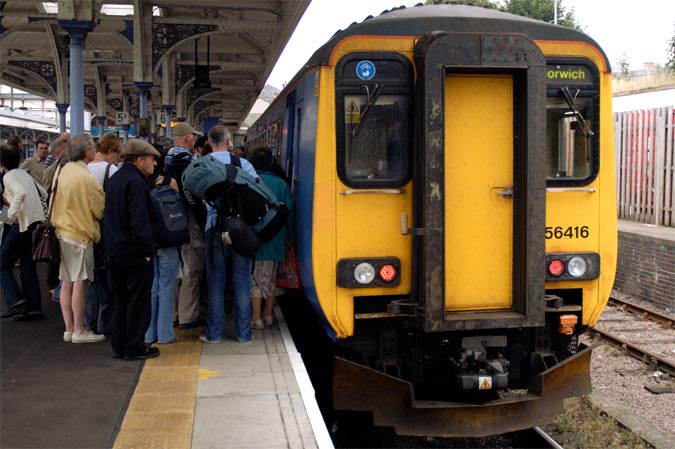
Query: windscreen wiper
(377, 90)
(567, 95)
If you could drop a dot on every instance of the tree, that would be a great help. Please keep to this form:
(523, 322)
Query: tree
(536, 9)
(543, 10)
(623, 67)
(482, 3)
(670, 64)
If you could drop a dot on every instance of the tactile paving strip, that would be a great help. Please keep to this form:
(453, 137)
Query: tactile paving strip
(161, 412)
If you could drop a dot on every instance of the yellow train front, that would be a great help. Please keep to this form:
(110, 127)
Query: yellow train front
(455, 213)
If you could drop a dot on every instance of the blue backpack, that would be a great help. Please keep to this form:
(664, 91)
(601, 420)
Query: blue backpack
(170, 213)
(235, 193)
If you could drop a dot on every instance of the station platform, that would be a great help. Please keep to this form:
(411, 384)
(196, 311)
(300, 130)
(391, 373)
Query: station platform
(55, 394)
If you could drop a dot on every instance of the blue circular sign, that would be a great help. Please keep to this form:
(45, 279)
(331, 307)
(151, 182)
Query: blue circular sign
(365, 70)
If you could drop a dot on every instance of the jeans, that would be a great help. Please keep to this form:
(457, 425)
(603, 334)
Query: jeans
(217, 258)
(161, 319)
(18, 246)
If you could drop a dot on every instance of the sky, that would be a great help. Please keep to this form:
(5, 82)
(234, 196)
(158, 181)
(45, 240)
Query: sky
(640, 28)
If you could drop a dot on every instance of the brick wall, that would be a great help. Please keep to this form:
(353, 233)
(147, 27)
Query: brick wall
(646, 269)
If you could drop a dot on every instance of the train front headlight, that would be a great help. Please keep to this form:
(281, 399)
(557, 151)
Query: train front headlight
(577, 266)
(364, 273)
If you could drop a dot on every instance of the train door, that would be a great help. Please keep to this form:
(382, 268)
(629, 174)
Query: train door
(478, 159)
(289, 137)
(481, 99)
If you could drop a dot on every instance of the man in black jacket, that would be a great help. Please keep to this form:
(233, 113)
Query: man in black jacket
(128, 236)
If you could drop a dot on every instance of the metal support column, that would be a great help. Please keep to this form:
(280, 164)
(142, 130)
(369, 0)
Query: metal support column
(77, 30)
(168, 108)
(143, 88)
(125, 135)
(62, 108)
(101, 125)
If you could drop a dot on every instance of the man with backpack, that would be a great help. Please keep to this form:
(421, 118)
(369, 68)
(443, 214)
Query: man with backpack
(218, 256)
(187, 289)
(128, 237)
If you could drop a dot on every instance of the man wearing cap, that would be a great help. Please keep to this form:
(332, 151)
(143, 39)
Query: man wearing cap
(184, 137)
(186, 298)
(128, 238)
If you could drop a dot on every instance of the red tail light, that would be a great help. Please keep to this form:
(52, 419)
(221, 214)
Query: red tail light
(556, 267)
(388, 273)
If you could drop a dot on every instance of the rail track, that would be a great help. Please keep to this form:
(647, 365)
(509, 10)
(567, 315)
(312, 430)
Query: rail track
(654, 361)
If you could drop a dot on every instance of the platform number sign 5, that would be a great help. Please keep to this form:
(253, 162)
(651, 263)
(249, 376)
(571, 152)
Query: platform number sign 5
(122, 118)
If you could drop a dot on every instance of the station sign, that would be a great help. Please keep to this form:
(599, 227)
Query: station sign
(122, 118)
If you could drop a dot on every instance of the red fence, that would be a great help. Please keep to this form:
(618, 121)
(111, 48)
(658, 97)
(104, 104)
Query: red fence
(645, 165)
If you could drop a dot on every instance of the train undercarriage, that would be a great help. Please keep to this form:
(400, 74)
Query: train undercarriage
(459, 383)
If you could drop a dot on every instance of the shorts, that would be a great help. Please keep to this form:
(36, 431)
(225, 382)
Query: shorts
(77, 261)
(264, 279)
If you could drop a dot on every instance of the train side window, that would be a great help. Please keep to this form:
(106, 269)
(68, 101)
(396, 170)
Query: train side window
(375, 137)
(572, 144)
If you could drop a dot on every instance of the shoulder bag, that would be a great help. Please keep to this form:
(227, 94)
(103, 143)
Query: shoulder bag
(45, 243)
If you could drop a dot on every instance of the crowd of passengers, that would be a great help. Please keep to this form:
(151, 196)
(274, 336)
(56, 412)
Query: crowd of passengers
(113, 279)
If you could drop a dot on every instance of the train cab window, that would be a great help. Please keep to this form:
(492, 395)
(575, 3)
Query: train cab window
(375, 138)
(374, 121)
(571, 125)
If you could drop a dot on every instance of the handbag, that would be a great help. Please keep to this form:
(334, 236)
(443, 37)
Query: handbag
(45, 243)
(287, 273)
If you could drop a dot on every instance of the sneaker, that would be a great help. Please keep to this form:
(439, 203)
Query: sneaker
(257, 325)
(68, 336)
(268, 320)
(211, 342)
(149, 353)
(87, 338)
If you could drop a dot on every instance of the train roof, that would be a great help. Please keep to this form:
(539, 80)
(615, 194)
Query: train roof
(417, 20)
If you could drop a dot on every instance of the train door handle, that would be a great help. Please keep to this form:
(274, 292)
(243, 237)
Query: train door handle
(405, 230)
(506, 192)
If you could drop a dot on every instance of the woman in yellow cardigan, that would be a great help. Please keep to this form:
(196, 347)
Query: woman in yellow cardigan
(78, 206)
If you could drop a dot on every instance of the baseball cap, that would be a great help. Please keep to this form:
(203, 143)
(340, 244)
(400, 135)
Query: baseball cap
(183, 129)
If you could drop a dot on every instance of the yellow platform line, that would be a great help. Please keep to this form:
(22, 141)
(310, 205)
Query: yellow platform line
(161, 412)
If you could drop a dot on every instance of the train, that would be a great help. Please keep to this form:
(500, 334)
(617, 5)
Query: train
(455, 226)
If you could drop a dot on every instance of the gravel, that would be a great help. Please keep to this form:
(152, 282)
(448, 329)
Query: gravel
(628, 391)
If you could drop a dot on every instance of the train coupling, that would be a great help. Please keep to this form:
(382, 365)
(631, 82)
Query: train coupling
(478, 372)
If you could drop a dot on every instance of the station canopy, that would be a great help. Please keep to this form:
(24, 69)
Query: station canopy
(204, 58)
